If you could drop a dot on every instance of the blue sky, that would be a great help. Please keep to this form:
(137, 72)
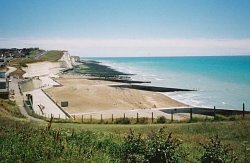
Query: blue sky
(128, 27)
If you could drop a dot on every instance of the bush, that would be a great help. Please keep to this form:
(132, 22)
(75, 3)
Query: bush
(143, 120)
(122, 121)
(133, 148)
(161, 119)
(157, 147)
(215, 151)
(162, 147)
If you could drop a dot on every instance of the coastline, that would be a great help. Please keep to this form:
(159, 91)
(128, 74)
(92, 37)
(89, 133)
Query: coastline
(98, 97)
(220, 81)
(97, 90)
(42, 77)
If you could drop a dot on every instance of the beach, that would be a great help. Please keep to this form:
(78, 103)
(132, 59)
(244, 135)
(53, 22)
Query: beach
(85, 96)
(220, 81)
(92, 88)
(97, 96)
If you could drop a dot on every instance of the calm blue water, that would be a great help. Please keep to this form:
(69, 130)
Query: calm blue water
(222, 81)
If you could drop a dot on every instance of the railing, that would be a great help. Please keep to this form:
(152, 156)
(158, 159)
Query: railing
(136, 117)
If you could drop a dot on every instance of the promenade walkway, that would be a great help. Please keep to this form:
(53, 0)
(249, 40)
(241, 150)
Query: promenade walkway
(42, 104)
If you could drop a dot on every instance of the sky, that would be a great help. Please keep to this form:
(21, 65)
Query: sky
(128, 27)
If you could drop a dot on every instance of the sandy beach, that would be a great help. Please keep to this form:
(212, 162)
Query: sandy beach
(90, 96)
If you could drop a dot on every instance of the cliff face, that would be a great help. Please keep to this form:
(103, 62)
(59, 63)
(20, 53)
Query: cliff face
(74, 60)
(66, 61)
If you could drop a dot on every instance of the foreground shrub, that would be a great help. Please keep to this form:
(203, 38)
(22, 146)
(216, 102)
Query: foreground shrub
(217, 152)
(162, 147)
(133, 149)
(157, 147)
(161, 119)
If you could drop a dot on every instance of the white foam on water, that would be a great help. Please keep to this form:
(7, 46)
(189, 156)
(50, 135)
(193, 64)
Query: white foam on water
(158, 79)
(209, 91)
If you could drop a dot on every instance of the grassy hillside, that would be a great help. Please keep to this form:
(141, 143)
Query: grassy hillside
(9, 110)
(23, 141)
(34, 53)
(234, 133)
(66, 142)
(52, 56)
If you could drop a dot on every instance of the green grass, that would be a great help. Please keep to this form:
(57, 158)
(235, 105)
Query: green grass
(191, 134)
(74, 142)
(9, 110)
(52, 56)
(34, 53)
(97, 142)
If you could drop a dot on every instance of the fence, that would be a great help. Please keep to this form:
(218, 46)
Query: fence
(172, 115)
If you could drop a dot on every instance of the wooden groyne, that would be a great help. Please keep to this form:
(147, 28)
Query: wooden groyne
(151, 88)
(120, 80)
(206, 111)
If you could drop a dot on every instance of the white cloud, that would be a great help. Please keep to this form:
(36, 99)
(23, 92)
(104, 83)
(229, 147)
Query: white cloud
(137, 47)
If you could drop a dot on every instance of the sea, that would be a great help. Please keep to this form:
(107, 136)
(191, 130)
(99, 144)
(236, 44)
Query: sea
(220, 81)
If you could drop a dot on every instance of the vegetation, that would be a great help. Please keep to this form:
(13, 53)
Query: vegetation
(122, 121)
(22, 141)
(215, 151)
(9, 109)
(190, 134)
(34, 53)
(18, 63)
(161, 119)
(157, 147)
(52, 56)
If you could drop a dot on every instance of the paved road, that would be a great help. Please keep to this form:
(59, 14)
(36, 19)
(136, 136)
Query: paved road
(41, 100)
(19, 100)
